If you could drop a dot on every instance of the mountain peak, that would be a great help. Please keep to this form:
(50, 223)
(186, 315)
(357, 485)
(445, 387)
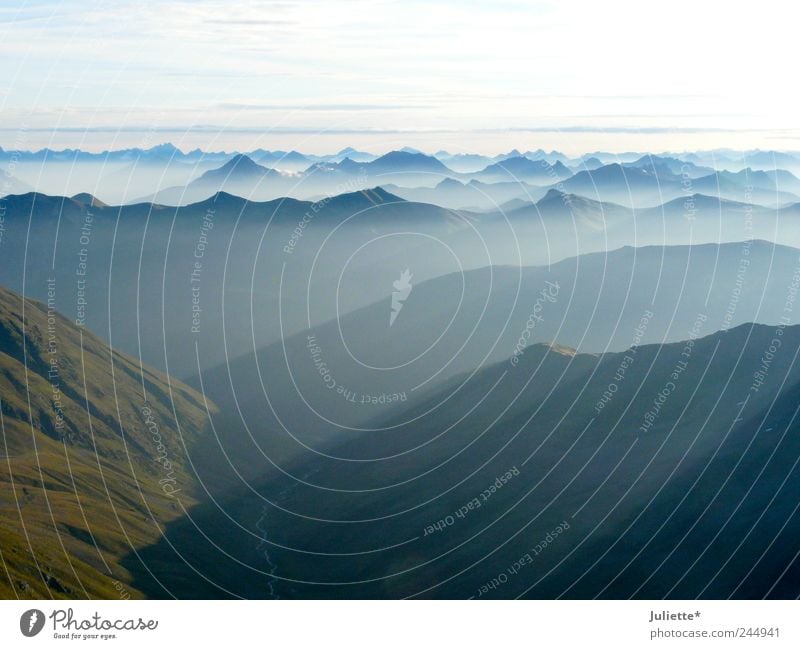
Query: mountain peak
(86, 199)
(374, 196)
(166, 148)
(407, 161)
(559, 167)
(239, 166)
(222, 200)
(402, 155)
(551, 195)
(241, 162)
(539, 170)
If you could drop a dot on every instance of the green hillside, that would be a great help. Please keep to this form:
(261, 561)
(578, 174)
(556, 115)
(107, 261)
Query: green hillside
(92, 459)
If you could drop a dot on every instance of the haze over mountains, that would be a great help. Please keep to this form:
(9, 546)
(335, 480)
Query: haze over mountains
(392, 300)
(687, 498)
(270, 270)
(166, 175)
(343, 352)
(595, 303)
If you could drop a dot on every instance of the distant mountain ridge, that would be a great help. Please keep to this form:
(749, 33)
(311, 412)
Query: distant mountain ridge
(636, 495)
(173, 177)
(522, 168)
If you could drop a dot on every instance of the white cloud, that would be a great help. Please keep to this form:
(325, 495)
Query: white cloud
(472, 65)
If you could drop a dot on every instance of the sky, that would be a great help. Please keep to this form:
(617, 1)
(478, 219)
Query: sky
(467, 76)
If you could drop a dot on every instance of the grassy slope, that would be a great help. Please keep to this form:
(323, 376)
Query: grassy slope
(74, 500)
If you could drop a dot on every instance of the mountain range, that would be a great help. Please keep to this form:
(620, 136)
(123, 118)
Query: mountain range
(580, 495)
(281, 375)
(698, 435)
(165, 175)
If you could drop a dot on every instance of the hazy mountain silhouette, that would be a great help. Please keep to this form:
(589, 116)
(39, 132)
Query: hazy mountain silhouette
(651, 182)
(589, 164)
(240, 175)
(745, 186)
(138, 283)
(647, 497)
(473, 195)
(520, 168)
(462, 321)
(12, 185)
(670, 166)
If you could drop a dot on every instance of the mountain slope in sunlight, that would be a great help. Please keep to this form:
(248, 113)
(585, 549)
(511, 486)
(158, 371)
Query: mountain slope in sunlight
(93, 460)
